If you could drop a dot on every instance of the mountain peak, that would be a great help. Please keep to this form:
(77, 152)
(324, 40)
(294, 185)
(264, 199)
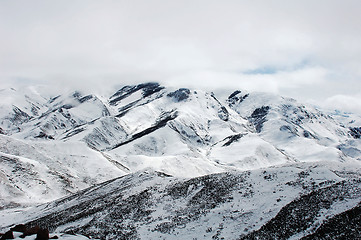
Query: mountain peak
(154, 162)
(181, 132)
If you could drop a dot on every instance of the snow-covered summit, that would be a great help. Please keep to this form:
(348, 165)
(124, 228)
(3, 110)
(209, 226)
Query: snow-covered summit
(74, 140)
(150, 162)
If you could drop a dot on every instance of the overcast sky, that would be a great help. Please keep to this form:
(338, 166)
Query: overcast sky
(309, 50)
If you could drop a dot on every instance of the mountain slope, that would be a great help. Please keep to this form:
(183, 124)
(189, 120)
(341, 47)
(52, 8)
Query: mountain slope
(277, 203)
(38, 172)
(153, 162)
(83, 139)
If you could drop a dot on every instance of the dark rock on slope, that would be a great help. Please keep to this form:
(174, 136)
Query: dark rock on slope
(180, 94)
(232, 139)
(258, 117)
(236, 97)
(355, 132)
(223, 113)
(160, 123)
(146, 88)
(19, 116)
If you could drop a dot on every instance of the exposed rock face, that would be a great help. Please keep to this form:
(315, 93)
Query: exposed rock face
(20, 116)
(307, 134)
(7, 235)
(223, 114)
(37, 232)
(179, 95)
(161, 122)
(147, 89)
(258, 117)
(231, 139)
(355, 132)
(42, 234)
(236, 97)
(19, 228)
(44, 136)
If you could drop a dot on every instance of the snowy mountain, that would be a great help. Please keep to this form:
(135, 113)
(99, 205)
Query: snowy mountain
(53, 145)
(295, 201)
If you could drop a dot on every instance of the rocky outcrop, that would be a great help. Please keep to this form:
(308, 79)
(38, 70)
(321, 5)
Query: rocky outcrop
(19, 116)
(223, 113)
(355, 132)
(7, 235)
(40, 232)
(161, 122)
(258, 117)
(146, 88)
(236, 97)
(179, 95)
(231, 139)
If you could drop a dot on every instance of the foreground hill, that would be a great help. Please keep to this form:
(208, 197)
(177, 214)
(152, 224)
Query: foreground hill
(298, 201)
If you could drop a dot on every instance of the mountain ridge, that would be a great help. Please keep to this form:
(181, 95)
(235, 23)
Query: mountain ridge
(56, 146)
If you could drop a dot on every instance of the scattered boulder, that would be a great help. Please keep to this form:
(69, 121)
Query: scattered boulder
(43, 234)
(19, 228)
(33, 230)
(7, 235)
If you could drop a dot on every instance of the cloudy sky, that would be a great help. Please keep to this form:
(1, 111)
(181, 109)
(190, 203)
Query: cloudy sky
(308, 49)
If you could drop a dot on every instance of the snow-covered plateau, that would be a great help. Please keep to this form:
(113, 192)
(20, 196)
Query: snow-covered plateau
(151, 162)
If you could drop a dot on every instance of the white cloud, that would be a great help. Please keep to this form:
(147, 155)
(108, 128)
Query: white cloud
(312, 46)
(344, 103)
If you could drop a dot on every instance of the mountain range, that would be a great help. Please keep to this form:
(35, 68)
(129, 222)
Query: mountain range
(150, 161)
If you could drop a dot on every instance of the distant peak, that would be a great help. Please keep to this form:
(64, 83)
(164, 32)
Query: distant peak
(180, 94)
(146, 89)
(236, 97)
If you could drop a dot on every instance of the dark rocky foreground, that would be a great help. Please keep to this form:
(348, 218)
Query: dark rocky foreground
(36, 231)
(302, 202)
